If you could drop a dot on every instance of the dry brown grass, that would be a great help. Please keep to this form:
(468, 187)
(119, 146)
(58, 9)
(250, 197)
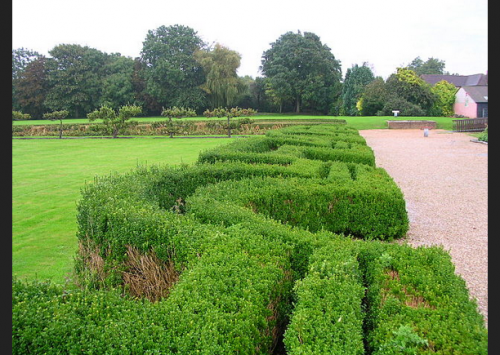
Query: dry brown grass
(147, 276)
(94, 263)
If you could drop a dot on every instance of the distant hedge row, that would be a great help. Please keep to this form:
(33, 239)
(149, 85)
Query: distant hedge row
(268, 248)
(242, 126)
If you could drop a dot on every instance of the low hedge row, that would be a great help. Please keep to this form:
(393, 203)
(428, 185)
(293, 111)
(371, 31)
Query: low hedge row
(234, 299)
(360, 210)
(269, 150)
(52, 319)
(417, 304)
(414, 303)
(328, 316)
(118, 211)
(237, 296)
(173, 185)
(155, 128)
(318, 134)
(253, 258)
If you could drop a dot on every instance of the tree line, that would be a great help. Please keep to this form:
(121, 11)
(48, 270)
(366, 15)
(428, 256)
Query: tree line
(176, 68)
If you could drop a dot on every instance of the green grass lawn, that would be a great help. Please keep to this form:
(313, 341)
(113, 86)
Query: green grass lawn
(358, 122)
(47, 175)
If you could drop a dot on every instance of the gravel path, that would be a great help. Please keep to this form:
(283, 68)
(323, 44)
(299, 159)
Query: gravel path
(444, 178)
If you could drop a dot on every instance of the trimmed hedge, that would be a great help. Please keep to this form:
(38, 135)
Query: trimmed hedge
(173, 185)
(121, 210)
(347, 148)
(248, 230)
(328, 316)
(234, 299)
(49, 319)
(367, 211)
(417, 304)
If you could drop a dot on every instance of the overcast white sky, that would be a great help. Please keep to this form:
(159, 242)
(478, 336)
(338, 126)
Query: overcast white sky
(384, 33)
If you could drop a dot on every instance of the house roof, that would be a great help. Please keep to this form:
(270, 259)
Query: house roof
(478, 93)
(457, 80)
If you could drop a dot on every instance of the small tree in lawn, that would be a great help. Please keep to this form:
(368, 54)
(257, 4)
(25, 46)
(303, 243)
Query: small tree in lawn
(229, 113)
(177, 112)
(115, 122)
(57, 115)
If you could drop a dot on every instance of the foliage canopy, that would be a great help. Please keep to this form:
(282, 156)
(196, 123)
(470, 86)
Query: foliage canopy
(300, 68)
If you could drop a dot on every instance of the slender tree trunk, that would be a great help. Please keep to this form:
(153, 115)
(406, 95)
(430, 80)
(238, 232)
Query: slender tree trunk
(60, 129)
(171, 127)
(297, 107)
(228, 128)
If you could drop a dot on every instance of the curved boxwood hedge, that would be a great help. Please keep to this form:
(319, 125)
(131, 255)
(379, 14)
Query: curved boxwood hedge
(260, 234)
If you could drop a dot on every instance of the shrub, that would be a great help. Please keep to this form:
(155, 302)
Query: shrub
(234, 300)
(328, 316)
(173, 185)
(417, 304)
(484, 135)
(51, 319)
(351, 148)
(315, 204)
(18, 116)
(405, 108)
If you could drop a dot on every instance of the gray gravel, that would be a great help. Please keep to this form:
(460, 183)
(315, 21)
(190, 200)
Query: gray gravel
(444, 178)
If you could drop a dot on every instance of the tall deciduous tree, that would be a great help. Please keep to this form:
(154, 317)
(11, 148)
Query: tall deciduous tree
(430, 66)
(173, 76)
(75, 78)
(220, 65)
(148, 102)
(31, 88)
(21, 57)
(301, 68)
(356, 79)
(117, 87)
(279, 90)
(260, 99)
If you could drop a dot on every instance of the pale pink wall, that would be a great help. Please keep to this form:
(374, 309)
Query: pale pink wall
(464, 105)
